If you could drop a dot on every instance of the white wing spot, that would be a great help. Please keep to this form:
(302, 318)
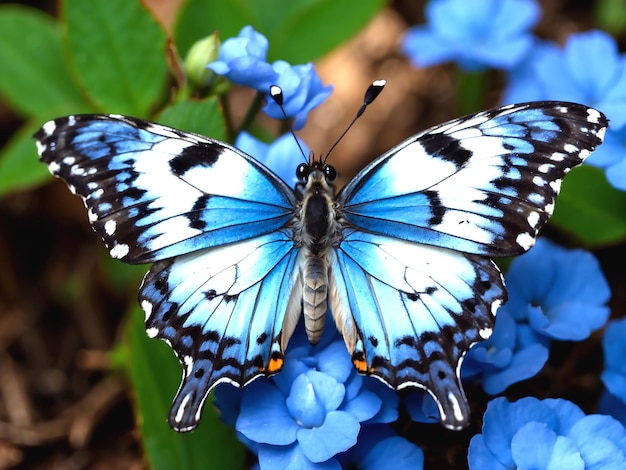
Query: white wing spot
(533, 219)
(570, 148)
(525, 240)
(119, 251)
(584, 153)
(49, 127)
(485, 333)
(555, 185)
(54, 168)
(69, 160)
(147, 308)
(110, 226)
(593, 115)
(152, 332)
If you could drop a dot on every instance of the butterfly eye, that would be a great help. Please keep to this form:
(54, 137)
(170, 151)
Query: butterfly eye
(331, 173)
(302, 172)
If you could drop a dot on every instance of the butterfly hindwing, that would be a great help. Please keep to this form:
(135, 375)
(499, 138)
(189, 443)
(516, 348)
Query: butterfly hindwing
(482, 184)
(409, 312)
(222, 310)
(154, 192)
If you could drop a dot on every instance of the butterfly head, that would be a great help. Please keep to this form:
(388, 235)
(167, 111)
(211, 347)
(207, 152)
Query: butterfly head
(316, 172)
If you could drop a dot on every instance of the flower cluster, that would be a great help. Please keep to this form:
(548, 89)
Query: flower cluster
(613, 401)
(242, 60)
(554, 293)
(318, 413)
(496, 34)
(489, 33)
(552, 433)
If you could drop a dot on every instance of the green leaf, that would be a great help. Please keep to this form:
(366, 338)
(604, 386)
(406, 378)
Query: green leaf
(590, 208)
(20, 167)
(118, 49)
(202, 117)
(34, 76)
(298, 32)
(155, 374)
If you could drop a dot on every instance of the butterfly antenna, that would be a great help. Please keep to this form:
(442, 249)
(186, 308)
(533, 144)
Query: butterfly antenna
(277, 95)
(370, 95)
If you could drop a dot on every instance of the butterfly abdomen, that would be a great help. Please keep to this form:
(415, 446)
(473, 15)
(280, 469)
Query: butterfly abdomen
(314, 296)
(318, 225)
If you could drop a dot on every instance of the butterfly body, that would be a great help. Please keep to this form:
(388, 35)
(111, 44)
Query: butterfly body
(400, 256)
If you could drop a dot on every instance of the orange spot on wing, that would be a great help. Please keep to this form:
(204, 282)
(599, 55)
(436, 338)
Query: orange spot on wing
(275, 364)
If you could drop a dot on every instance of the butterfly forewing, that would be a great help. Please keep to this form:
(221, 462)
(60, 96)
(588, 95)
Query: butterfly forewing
(483, 184)
(154, 192)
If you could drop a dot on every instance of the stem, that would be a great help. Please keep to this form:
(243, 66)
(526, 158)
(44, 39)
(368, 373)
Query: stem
(471, 90)
(253, 110)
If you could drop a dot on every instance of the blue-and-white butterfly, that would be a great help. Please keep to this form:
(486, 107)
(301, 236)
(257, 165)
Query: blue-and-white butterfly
(400, 254)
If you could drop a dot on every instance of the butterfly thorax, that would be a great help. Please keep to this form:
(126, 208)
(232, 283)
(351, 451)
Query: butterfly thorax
(319, 230)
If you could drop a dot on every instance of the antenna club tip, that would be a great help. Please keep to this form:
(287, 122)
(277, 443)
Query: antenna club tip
(277, 94)
(379, 83)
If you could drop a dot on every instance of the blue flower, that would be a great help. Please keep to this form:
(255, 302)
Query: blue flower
(302, 91)
(281, 156)
(550, 434)
(561, 293)
(242, 61)
(478, 34)
(513, 353)
(380, 448)
(421, 406)
(611, 156)
(310, 412)
(614, 346)
(588, 70)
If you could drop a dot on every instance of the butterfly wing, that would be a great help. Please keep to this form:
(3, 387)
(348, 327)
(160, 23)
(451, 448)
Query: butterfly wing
(154, 192)
(408, 312)
(413, 288)
(213, 220)
(223, 312)
(482, 184)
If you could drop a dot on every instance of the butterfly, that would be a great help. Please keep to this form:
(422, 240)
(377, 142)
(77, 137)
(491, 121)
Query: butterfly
(400, 256)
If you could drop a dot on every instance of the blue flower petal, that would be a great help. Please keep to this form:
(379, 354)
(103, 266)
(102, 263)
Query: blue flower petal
(601, 441)
(526, 363)
(364, 406)
(292, 458)
(489, 33)
(264, 417)
(479, 457)
(312, 395)
(338, 433)
(536, 446)
(503, 419)
(406, 456)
